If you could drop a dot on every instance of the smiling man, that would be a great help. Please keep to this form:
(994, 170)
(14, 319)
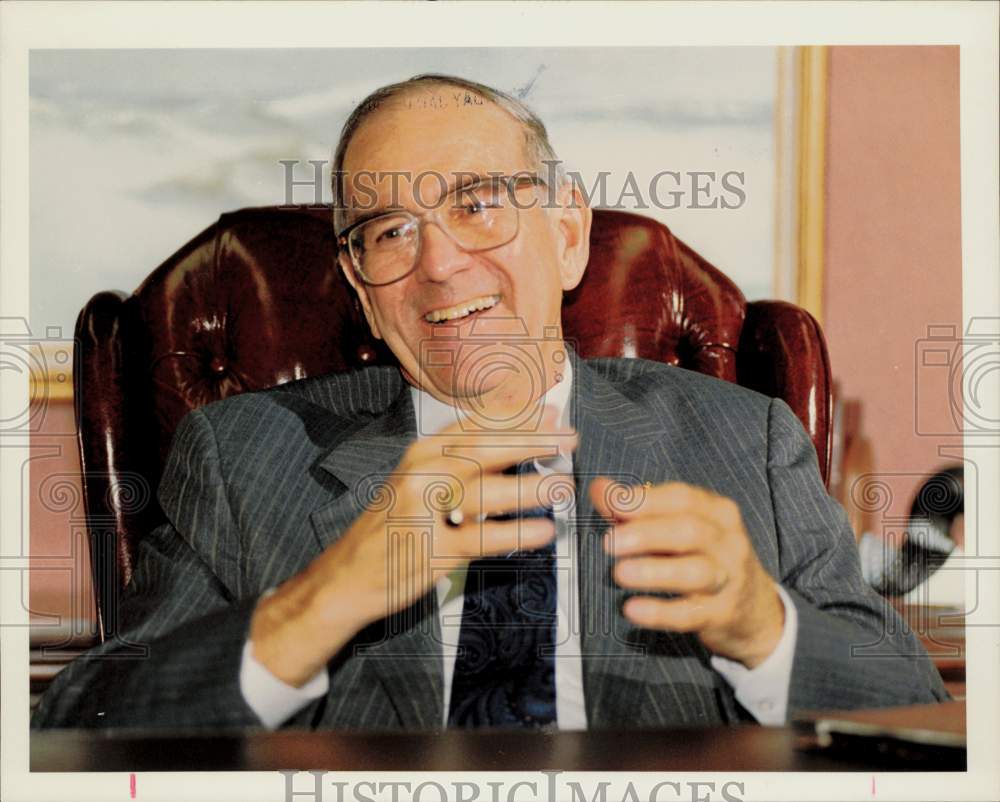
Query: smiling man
(613, 543)
(469, 206)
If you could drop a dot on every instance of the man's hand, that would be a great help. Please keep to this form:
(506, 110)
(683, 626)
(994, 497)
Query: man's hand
(685, 540)
(367, 575)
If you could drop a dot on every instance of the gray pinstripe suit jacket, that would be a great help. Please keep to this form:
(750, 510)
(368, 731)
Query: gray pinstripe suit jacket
(257, 485)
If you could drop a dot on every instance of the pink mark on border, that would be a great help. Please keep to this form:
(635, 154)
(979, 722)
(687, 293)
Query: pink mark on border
(131, 785)
(873, 784)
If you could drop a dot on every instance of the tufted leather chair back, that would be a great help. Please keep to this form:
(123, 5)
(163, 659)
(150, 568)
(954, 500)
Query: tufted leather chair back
(257, 300)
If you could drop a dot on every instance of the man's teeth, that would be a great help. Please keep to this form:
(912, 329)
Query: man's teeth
(463, 309)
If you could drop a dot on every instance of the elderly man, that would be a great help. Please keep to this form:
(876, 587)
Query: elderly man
(611, 543)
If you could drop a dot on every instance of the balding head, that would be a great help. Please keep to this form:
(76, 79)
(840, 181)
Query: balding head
(427, 92)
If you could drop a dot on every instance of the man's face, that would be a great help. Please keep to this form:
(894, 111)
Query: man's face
(482, 354)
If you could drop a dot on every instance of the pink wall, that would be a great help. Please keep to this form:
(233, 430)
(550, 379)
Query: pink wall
(60, 587)
(893, 258)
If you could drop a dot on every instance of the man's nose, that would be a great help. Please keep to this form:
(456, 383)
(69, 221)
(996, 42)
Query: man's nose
(440, 256)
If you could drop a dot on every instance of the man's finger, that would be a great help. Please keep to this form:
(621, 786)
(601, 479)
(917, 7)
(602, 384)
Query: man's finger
(687, 614)
(500, 453)
(669, 498)
(488, 538)
(496, 494)
(466, 464)
(674, 534)
(691, 574)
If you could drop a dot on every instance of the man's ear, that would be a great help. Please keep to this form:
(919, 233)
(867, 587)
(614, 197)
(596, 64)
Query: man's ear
(574, 217)
(361, 289)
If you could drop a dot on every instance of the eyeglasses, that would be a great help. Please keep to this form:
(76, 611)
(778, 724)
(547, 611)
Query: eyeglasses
(480, 217)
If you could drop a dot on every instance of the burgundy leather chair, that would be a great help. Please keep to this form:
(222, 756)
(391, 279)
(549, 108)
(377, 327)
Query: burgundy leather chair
(257, 300)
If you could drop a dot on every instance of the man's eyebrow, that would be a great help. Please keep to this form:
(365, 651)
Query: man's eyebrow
(473, 180)
(371, 215)
(461, 181)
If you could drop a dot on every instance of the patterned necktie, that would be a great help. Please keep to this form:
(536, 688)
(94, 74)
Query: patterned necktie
(505, 667)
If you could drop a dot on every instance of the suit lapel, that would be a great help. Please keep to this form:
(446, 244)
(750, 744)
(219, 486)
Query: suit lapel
(361, 461)
(624, 665)
(405, 648)
(614, 435)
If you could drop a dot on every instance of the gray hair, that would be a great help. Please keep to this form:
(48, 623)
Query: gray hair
(536, 138)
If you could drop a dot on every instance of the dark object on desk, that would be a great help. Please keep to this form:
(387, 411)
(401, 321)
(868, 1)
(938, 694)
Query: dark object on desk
(257, 300)
(903, 737)
(938, 502)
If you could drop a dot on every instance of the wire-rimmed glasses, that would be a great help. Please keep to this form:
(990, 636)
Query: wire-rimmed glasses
(386, 248)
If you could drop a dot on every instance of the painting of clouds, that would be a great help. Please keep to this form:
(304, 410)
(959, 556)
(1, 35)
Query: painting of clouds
(133, 152)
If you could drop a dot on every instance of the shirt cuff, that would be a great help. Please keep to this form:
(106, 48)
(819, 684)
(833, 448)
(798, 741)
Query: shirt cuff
(763, 690)
(272, 700)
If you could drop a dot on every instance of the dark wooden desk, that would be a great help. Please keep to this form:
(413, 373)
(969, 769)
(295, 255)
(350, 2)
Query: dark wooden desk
(748, 748)
(738, 749)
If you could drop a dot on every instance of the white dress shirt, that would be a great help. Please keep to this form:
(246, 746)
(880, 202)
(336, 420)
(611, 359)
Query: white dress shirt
(763, 691)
